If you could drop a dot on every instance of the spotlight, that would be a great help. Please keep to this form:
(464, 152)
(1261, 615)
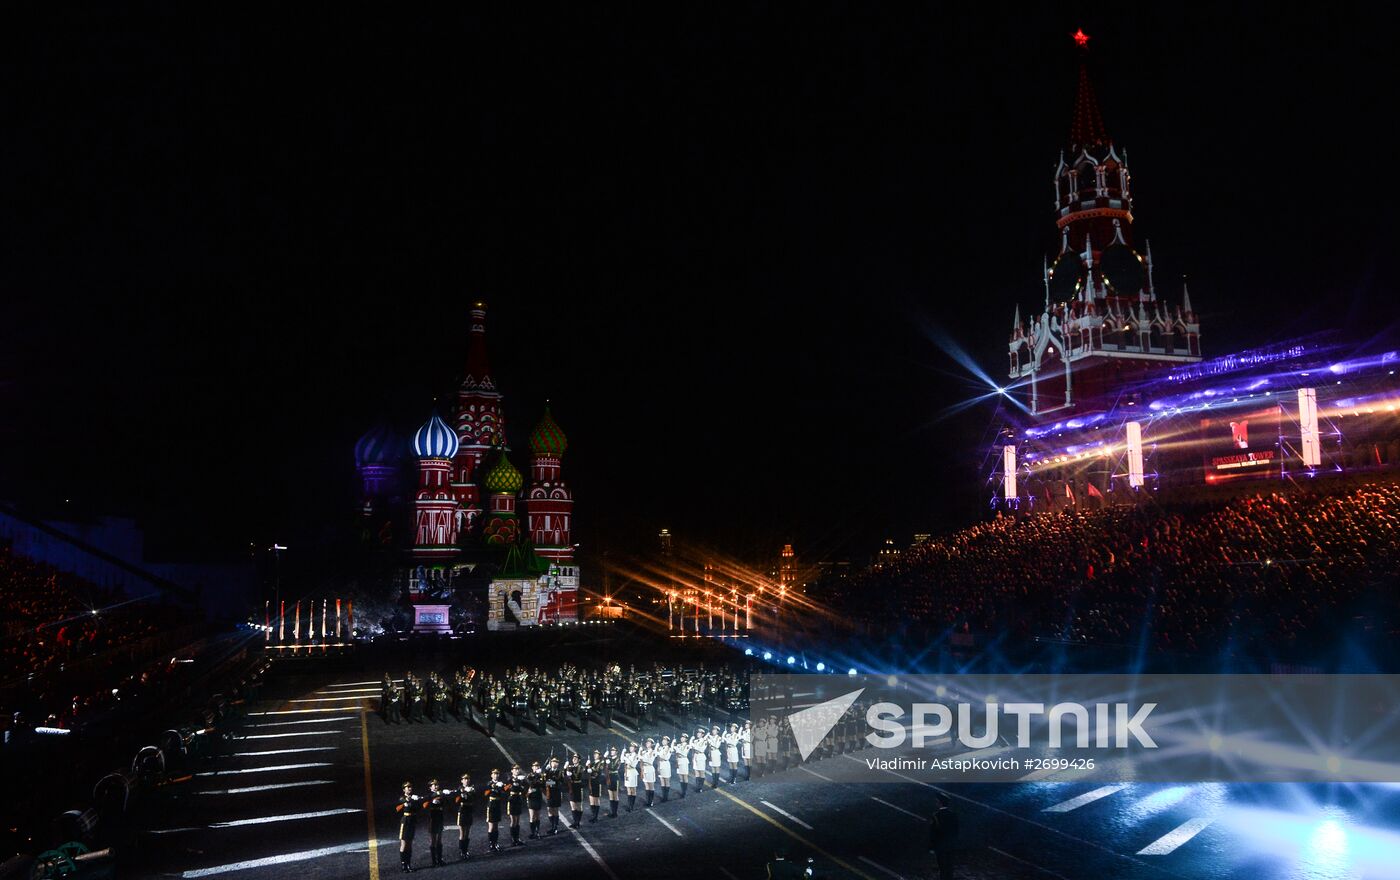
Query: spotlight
(767, 655)
(748, 652)
(791, 659)
(850, 672)
(821, 667)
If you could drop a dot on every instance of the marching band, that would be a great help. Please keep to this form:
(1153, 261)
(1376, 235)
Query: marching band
(530, 700)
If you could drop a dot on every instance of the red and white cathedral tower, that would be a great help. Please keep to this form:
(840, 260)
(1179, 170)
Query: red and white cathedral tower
(435, 506)
(549, 505)
(1102, 327)
(480, 421)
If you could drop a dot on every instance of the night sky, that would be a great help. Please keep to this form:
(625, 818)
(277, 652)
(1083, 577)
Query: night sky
(722, 243)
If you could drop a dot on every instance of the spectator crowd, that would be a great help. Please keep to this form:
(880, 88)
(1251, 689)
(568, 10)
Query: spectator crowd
(1265, 575)
(53, 624)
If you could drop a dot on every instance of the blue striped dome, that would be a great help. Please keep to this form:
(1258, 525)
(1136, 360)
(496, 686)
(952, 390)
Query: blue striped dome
(435, 439)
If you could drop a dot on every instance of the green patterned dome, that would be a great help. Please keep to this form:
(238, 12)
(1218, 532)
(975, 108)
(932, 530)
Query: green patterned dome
(503, 477)
(547, 438)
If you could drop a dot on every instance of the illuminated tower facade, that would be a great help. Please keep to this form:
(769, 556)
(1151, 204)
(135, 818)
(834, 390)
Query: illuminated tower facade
(435, 505)
(549, 505)
(1102, 327)
(480, 421)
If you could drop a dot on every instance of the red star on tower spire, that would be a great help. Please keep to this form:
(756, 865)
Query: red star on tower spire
(1087, 129)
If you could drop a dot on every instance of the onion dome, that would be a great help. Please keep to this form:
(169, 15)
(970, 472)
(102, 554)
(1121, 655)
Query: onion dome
(547, 438)
(379, 445)
(435, 439)
(503, 478)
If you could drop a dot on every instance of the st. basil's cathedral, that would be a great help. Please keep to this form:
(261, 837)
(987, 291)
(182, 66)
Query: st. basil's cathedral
(476, 522)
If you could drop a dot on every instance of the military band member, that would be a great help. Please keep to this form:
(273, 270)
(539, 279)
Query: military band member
(649, 770)
(515, 802)
(746, 748)
(497, 794)
(731, 751)
(386, 694)
(534, 797)
(595, 772)
(585, 706)
(683, 761)
(435, 803)
(407, 807)
(440, 695)
(712, 746)
(464, 795)
(614, 778)
(417, 704)
(574, 777)
(393, 702)
(663, 767)
(697, 758)
(553, 792)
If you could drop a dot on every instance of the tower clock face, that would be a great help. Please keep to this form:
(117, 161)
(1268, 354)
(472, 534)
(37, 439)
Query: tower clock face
(1066, 277)
(1123, 270)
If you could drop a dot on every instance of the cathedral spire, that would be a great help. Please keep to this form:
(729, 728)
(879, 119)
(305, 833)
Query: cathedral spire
(1087, 129)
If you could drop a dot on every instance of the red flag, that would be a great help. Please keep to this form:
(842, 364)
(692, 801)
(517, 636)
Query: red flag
(1094, 491)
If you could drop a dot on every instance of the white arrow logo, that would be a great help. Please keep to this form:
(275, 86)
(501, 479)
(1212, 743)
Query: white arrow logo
(811, 725)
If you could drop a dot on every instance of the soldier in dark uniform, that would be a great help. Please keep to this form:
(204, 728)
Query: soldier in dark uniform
(544, 711)
(574, 777)
(943, 836)
(464, 796)
(553, 793)
(392, 703)
(613, 763)
(408, 807)
(462, 693)
(497, 793)
(584, 698)
(413, 692)
(534, 797)
(595, 771)
(515, 803)
(386, 692)
(440, 697)
(435, 803)
(495, 705)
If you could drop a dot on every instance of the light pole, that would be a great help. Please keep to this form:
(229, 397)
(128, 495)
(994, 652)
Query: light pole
(277, 580)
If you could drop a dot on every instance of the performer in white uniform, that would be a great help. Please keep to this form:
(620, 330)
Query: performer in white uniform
(713, 743)
(746, 748)
(683, 761)
(731, 751)
(663, 767)
(630, 760)
(649, 770)
(697, 758)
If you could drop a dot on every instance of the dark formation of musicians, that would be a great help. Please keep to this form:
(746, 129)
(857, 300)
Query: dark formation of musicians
(522, 699)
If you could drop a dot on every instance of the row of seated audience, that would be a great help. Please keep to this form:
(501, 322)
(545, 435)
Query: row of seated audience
(49, 628)
(1259, 575)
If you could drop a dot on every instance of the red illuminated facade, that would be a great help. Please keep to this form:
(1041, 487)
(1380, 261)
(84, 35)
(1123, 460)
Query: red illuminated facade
(469, 494)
